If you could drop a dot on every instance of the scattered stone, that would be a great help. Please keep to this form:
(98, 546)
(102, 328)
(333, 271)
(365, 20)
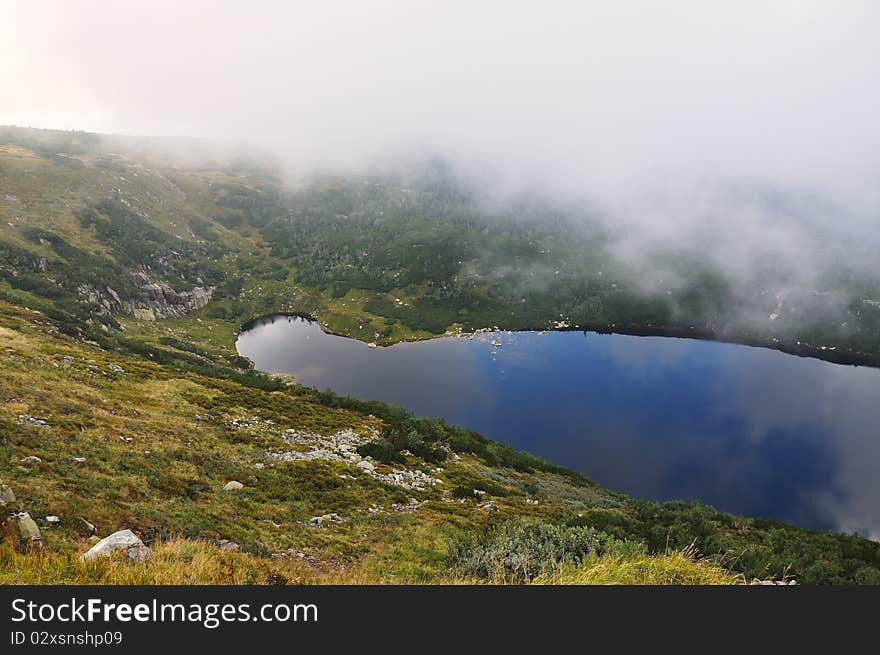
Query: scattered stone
(226, 544)
(88, 525)
(31, 459)
(407, 479)
(333, 517)
(116, 368)
(67, 359)
(52, 519)
(27, 419)
(78, 460)
(342, 447)
(135, 550)
(259, 466)
(26, 532)
(6, 494)
(774, 583)
(233, 485)
(411, 506)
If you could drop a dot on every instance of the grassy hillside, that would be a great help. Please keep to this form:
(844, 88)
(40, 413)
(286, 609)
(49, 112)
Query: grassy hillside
(123, 281)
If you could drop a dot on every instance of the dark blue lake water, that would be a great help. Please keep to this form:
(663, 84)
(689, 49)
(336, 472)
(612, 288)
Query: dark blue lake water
(748, 430)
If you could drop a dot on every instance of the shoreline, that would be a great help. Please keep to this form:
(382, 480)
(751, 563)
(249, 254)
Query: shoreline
(833, 355)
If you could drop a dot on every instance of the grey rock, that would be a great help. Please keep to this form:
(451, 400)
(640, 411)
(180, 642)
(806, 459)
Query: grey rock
(226, 544)
(138, 553)
(88, 525)
(52, 519)
(78, 460)
(126, 540)
(27, 419)
(333, 517)
(162, 301)
(28, 535)
(6, 494)
(31, 459)
(233, 485)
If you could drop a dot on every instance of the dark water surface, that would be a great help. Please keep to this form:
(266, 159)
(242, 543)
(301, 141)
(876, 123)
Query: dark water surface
(748, 430)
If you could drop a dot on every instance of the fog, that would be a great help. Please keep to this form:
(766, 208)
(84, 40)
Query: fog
(748, 125)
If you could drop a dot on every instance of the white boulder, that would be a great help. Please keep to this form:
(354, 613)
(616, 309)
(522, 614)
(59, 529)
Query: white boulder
(126, 540)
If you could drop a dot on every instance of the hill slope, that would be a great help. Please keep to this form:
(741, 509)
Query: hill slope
(123, 280)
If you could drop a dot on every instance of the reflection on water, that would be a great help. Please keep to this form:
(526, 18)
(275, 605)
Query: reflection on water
(748, 430)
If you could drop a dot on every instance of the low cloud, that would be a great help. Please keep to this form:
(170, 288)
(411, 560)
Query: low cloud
(746, 130)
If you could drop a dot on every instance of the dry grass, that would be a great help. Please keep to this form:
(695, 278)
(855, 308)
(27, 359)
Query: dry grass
(174, 562)
(674, 568)
(193, 562)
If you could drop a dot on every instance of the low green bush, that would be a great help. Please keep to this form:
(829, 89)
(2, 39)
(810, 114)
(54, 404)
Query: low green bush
(522, 549)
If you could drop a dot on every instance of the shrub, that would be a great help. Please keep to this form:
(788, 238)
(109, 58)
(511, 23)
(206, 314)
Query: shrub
(382, 451)
(522, 549)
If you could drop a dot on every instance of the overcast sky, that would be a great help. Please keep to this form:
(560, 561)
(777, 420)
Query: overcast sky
(609, 97)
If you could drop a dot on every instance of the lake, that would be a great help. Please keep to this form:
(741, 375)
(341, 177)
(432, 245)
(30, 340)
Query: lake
(748, 430)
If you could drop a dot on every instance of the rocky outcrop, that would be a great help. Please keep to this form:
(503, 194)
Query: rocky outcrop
(164, 302)
(159, 299)
(135, 550)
